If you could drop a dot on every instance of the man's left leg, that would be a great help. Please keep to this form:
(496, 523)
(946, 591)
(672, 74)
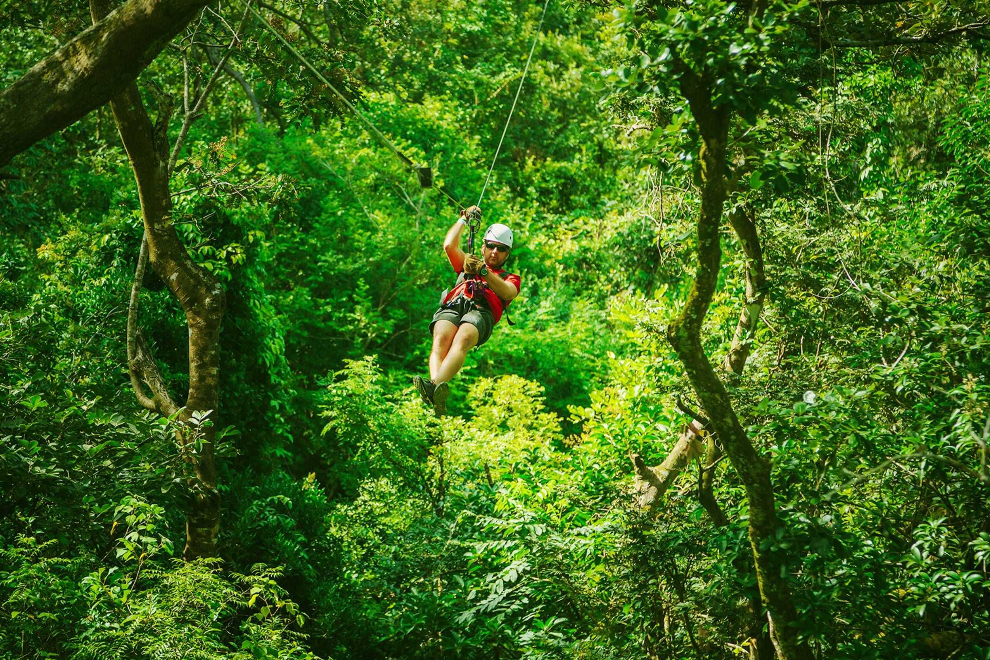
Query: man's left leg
(465, 339)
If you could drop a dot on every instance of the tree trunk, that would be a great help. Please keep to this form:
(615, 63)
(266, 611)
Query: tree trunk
(199, 294)
(88, 71)
(742, 342)
(653, 482)
(684, 335)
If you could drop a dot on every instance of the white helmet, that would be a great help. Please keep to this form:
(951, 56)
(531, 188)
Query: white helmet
(499, 234)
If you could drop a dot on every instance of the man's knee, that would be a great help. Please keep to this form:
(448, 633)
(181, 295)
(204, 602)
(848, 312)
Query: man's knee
(443, 333)
(466, 337)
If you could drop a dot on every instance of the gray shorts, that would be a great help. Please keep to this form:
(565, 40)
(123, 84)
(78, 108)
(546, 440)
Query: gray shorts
(463, 311)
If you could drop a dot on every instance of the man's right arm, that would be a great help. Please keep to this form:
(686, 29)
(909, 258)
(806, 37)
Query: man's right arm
(452, 245)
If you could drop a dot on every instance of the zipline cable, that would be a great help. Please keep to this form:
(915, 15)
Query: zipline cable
(381, 136)
(511, 110)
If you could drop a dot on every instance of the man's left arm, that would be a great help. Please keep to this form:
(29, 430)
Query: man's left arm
(504, 290)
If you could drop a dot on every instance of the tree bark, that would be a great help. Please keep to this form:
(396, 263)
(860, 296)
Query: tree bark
(88, 71)
(199, 294)
(653, 482)
(684, 335)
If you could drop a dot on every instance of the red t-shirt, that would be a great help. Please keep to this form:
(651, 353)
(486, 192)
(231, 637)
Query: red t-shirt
(495, 304)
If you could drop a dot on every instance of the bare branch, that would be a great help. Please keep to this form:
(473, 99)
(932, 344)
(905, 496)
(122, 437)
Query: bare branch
(302, 24)
(239, 77)
(193, 114)
(970, 30)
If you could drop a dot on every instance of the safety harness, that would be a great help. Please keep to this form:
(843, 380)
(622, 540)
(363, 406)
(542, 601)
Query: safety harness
(471, 296)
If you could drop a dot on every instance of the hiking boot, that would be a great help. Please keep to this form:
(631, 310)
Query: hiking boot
(425, 389)
(440, 393)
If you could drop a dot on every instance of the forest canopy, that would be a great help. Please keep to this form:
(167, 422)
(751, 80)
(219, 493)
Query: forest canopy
(740, 406)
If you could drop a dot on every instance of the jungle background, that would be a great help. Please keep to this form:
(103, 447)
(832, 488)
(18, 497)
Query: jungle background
(853, 135)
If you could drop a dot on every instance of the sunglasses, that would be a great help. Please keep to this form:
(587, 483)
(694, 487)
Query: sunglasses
(498, 247)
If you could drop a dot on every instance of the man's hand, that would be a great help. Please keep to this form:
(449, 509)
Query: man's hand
(472, 264)
(472, 215)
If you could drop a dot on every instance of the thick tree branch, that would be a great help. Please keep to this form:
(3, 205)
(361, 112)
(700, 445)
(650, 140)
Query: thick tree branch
(88, 71)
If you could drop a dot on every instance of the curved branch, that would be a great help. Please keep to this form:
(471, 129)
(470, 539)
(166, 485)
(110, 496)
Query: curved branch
(242, 81)
(743, 223)
(88, 71)
(706, 482)
(133, 367)
(141, 364)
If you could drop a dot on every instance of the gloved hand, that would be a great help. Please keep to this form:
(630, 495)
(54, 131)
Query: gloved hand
(473, 215)
(472, 264)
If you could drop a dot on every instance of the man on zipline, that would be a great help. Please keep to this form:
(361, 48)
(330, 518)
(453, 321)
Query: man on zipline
(471, 309)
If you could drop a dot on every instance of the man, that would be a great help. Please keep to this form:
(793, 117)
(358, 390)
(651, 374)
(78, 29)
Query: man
(471, 309)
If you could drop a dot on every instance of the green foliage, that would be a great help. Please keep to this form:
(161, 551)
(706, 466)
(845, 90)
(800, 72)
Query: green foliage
(42, 598)
(506, 529)
(192, 610)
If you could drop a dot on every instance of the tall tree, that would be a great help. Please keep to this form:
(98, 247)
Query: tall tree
(197, 291)
(716, 53)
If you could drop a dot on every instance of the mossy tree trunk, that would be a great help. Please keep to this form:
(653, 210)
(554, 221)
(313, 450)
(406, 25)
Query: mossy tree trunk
(684, 335)
(201, 298)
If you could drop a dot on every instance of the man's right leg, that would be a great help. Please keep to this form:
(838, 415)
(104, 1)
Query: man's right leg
(443, 337)
(465, 339)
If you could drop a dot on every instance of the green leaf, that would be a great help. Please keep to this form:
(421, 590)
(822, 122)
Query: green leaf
(756, 180)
